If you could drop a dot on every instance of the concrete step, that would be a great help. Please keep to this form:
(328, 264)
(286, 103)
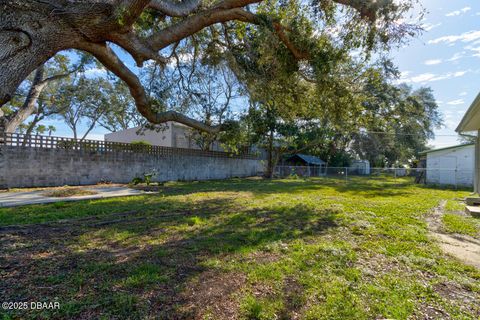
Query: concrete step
(474, 211)
(473, 201)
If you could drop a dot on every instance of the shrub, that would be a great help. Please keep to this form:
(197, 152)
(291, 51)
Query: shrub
(140, 143)
(147, 177)
(65, 144)
(137, 180)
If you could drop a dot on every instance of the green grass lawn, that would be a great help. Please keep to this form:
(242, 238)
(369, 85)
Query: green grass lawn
(456, 221)
(238, 249)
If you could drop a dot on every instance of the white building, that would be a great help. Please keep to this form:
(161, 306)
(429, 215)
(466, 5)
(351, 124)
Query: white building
(173, 134)
(451, 166)
(360, 167)
(470, 125)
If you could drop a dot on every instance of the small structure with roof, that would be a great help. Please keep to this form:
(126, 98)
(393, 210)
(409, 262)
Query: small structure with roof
(450, 166)
(314, 165)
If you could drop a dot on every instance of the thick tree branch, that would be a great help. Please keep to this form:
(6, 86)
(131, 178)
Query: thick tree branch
(128, 11)
(368, 9)
(28, 106)
(219, 14)
(112, 62)
(140, 49)
(194, 24)
(175, 9)
(280, 32)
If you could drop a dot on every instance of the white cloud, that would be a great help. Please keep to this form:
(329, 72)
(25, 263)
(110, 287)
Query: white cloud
(456, 102)
(476, 50)
(457, 56)
(430, 26)
(458, 74)
(424, 77)
(451, 124)
(433, 62)
(462, 94)
(458, 12)
(430, 77)
(464, 37)
(95, 72)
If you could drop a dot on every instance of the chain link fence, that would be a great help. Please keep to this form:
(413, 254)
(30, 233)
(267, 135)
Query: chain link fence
(442, 177)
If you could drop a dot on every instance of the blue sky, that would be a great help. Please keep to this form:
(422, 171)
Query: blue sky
(445, 57)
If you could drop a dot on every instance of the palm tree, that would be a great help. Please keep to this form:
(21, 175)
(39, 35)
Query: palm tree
(51, 129)
(40, 129)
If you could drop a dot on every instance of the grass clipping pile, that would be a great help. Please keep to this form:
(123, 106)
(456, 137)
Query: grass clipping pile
(66, 192)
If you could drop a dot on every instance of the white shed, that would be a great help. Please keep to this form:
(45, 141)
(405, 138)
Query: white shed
(360, 167)
(451, 166)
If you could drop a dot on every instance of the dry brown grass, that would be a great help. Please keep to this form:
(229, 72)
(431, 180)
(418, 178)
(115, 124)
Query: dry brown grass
(66, 192)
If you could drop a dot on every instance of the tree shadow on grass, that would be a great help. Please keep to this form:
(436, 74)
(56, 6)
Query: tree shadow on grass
(147, 267)
(164, 202)
(370, 187)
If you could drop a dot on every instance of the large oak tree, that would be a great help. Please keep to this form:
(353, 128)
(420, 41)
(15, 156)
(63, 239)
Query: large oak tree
(33, 31)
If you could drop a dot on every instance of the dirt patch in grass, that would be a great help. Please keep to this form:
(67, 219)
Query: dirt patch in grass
(294, 299)
(454, 294)
(69, 192)
(453, 291)
(263, 257)
(463, 247)
(214, 293)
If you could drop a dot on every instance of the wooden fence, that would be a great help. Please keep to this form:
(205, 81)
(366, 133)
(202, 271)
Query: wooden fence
(50, 142)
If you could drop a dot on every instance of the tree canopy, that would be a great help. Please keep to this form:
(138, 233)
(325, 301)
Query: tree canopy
(310, 38)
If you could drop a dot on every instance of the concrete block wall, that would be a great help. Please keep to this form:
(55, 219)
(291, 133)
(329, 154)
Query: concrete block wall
(38, 167)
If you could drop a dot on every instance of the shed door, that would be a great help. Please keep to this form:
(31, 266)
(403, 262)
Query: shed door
(448, 166)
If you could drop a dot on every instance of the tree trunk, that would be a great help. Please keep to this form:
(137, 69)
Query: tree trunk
(29, 131)
(31, 32)
(2, 126)
(269, 173)
(28, 106)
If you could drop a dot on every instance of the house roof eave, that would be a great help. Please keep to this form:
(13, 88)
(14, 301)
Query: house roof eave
(446, 148)
(471, 119)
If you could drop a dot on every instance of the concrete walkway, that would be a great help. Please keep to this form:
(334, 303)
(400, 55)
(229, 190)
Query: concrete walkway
(13, 199)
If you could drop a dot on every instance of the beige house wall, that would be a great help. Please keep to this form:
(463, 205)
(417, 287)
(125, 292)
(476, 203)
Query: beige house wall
(174, 135)
(162, 138)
